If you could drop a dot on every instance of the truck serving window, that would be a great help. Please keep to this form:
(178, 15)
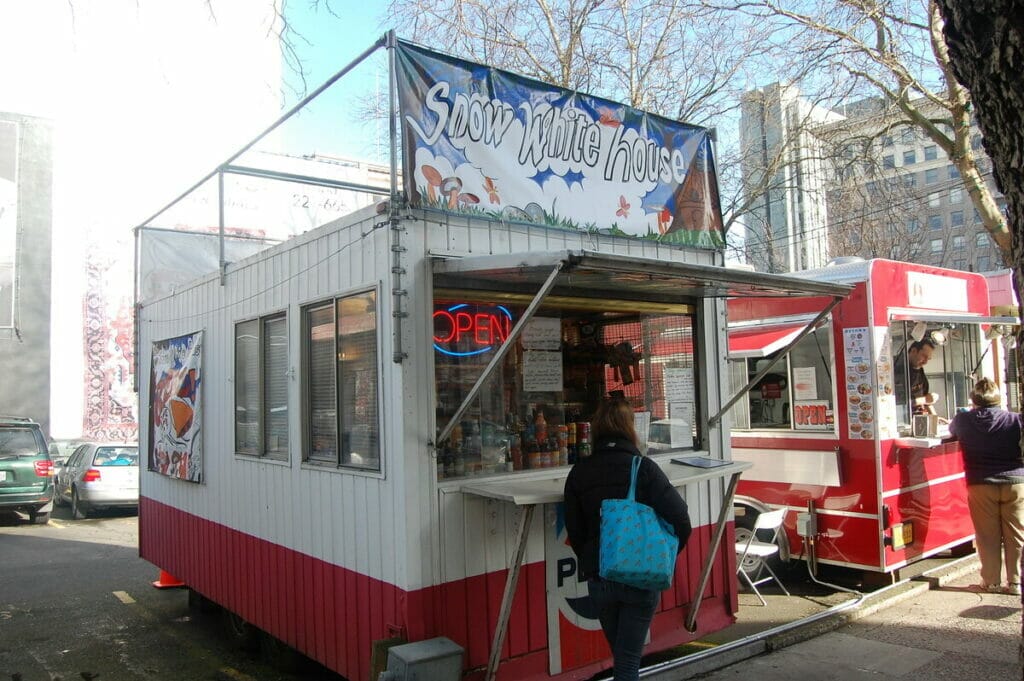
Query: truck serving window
(796, 394)
(948, 370)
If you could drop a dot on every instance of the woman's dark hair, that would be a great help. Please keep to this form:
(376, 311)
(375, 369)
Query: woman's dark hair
(614, 418)
(986, 393)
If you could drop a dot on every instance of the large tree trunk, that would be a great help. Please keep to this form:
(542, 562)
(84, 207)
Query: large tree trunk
(986, 43)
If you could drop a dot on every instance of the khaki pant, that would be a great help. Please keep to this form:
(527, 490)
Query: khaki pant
(997, 512)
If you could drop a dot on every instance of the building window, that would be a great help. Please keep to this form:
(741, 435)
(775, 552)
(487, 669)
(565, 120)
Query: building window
(956, 194)
(909, 157)
(906, 135)
(981, 240)
(886, 140)
(872, 187)
(934, 200)
(956, 218)
(953, 172)
(984, 263)
(934, 222)
(959, 263)
(958, 243)
(910, 180)
(261, 387)
(888, 161)
(975, 142)
(913, 225)
(936, 245)
(931, 176)
(342, 382)
(930, 152)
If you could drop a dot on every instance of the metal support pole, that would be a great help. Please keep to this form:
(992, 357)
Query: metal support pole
(395, 228)
(220, 223)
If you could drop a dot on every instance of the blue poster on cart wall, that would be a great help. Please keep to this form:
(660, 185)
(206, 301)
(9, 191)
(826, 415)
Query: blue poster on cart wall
(486, 142)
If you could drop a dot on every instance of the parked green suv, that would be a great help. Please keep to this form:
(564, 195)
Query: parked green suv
(26, 470)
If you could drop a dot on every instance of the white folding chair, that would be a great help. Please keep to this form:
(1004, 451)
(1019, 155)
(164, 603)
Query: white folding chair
(755, 548)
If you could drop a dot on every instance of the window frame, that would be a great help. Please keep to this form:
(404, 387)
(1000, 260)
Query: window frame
(337, 465)
(261, 452)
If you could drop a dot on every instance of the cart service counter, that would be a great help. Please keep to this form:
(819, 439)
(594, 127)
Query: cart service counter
(527, 494)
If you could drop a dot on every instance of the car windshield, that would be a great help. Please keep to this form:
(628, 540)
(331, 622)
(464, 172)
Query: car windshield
(18, 442)
(116, 456)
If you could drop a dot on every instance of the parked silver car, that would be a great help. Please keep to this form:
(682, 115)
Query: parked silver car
(99, 475)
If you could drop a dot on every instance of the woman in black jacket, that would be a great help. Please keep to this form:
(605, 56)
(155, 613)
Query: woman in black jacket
(625, 611)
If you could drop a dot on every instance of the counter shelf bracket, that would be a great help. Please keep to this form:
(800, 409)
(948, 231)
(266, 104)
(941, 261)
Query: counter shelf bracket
(716, 540)
(522, 530)
(503, 350)
(714, 420)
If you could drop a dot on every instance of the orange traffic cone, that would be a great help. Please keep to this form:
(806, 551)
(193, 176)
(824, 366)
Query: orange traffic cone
(168, 581)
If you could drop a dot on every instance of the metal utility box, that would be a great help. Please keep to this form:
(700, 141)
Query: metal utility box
(436, 659)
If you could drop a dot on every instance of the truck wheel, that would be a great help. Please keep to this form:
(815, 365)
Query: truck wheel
(240, 633)
(752, 564)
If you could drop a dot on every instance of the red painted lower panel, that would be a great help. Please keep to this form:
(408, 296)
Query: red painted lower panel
(333, 614)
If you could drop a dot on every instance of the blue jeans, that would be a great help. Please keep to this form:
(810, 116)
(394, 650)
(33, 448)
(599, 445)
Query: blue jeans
(625, 614)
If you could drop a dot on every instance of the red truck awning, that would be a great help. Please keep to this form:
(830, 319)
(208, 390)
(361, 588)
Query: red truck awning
(761, 342)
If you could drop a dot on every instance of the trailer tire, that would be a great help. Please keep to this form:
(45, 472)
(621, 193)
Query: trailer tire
(752, 564)
(199, 603)
(240, 633)
(280, 655)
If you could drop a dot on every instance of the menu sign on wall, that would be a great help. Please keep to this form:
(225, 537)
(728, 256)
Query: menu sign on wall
(860, 391)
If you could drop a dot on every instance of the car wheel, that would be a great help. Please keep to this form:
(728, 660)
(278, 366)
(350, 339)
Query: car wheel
(37, 518)
(240, 633)
(78, 509)
(58, 499)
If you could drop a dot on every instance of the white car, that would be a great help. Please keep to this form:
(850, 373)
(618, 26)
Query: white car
(99, 475)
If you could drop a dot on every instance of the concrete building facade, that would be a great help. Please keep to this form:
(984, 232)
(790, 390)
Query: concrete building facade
(853, 182)
(26, 221)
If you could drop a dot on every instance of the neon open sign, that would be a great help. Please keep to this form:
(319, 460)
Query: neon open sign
(463, 330)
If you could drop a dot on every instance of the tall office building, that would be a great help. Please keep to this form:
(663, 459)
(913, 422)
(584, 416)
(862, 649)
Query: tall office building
(784, 174)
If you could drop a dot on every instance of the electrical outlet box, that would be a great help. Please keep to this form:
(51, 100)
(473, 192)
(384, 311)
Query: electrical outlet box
(805, 524)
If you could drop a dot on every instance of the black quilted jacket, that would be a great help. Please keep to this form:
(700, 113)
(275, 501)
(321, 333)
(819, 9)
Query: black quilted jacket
(605, 475)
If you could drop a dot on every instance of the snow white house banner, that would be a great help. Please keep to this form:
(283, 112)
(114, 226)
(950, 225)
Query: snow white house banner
(176, 409)
(486, 142)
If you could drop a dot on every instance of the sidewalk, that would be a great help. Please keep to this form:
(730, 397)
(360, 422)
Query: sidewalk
(937, 628)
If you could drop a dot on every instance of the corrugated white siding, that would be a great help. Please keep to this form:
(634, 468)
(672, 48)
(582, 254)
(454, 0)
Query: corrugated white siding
(332, 515)
(398, 526)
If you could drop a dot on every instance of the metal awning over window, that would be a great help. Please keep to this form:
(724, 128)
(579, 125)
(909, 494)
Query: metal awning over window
(951, 318)
(761, 342)
(603, 275)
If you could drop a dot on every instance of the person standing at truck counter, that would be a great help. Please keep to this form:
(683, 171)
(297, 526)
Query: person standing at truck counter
(625, 612)
(990, 441)
(913, 363)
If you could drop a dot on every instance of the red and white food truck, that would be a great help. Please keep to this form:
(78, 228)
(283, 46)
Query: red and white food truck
(361, 434)
(823, 416)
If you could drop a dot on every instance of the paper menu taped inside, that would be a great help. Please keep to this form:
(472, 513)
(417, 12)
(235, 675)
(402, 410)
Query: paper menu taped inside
(542, 371)
(679, 385)
(543, 333)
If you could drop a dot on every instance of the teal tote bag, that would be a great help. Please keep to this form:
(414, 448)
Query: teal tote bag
(637, 548)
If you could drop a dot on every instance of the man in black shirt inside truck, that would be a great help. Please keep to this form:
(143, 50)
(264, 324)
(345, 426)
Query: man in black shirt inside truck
(911, 367)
